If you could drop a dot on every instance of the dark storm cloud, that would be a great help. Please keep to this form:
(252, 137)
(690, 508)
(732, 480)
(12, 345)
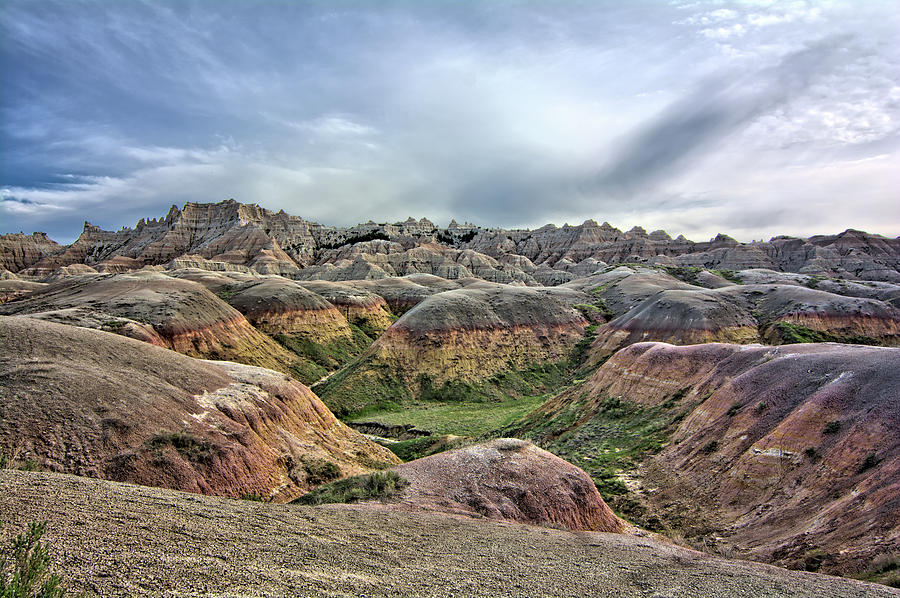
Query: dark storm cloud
(500, 113)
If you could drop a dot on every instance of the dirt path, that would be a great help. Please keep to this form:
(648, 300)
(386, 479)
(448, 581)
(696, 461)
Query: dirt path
(123, 540)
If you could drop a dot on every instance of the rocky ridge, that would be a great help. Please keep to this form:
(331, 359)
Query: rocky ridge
(277, 243)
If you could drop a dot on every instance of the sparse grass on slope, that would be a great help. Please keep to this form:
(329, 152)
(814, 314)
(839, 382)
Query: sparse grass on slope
(609, 439)
(317, 359)
(381, 485)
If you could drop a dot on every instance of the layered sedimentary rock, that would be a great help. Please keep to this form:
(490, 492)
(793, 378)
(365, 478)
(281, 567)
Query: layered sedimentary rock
(507, 479)
(276, 305)
(749, 313)
(19, 251)
(361, 307)
(155, 308)
(277, 243)
(463, 336)
(784, 454)
(93, 403)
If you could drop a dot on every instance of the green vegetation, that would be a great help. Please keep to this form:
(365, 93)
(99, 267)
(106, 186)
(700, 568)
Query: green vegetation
(459, 418)
(317, 360)
(608, 438)
(381, 485)
(580, 351)
(320, 470)
(790, 333)
(254, 497)
(710, 447)
(189, 446)
(25, 565)
(885, 569)
(367, 389)
(10, 462)
(831, 427)
(868, 463)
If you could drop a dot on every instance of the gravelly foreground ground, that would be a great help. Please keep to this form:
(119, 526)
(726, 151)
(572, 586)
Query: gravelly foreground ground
(123, 540)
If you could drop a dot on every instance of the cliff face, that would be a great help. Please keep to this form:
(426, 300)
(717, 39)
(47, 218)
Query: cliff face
(783, 454)
(97, 404)
(278, 243)
(18, 251)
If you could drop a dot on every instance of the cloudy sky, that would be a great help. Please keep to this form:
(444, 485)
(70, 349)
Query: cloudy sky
(754, 118)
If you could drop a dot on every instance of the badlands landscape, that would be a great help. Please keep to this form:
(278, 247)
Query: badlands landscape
(229, 401)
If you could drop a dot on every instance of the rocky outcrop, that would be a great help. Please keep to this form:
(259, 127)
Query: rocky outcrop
(19, 251)
(249, 236)
(507, 479)
(458, 338)
(97, 404)
(155, 308)
(783, 454)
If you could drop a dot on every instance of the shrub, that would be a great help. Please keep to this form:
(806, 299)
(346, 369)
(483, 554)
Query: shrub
(380, 485)
(254, 497)
(320, 470)
(868, 463)
(811, 453)
(189, 446)
(710, 447)
(25, 566)
(831, 427)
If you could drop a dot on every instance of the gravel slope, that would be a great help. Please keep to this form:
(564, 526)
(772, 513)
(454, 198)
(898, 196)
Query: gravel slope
(123, 540)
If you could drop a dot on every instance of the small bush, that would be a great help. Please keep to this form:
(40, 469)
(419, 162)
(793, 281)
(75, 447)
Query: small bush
(868, 463)
(25, 566)
(381, 485)
(320, 470)
(831, 427)
(189, 446)
(734, 409)
(813, 559)
(811, 453)
(710, 447)
(4, 460)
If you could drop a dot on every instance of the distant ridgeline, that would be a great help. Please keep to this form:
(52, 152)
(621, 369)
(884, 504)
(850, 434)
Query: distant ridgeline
(235, 235)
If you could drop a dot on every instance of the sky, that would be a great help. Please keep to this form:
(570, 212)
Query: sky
(754, 118)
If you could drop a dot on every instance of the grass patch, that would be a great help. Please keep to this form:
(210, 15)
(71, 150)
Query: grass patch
(458, 418)
(317, 359)
(608, 437)
(416, 448)
(381, 485)
(789, 333)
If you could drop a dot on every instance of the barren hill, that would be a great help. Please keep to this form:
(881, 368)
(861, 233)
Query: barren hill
(216, 547)
(83, 401)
